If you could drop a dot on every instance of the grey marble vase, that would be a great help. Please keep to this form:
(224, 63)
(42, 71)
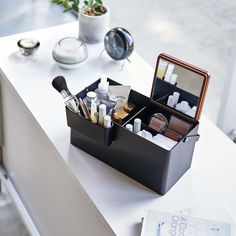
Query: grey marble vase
(92, 29)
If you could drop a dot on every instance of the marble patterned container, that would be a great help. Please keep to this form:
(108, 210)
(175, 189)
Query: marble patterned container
(92, 29)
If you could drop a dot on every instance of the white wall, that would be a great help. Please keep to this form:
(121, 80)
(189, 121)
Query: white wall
(1, 130)
(227, 113)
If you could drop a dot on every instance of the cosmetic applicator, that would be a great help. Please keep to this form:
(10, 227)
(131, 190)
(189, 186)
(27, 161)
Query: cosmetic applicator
(59, 83)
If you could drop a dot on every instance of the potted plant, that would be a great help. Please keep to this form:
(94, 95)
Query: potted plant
(93, 18)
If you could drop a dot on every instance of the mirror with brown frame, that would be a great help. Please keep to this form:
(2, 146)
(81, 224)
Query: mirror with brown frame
(179, 86)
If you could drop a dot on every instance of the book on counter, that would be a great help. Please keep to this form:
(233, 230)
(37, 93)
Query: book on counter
(157, 223)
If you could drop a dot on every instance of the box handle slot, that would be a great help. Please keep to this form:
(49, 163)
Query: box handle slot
(194, 138)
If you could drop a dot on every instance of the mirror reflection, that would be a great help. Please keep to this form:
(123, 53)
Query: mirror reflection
(177, 87)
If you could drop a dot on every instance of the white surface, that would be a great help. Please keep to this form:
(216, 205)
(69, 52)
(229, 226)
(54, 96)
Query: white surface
(0, 124)
(20, 206)
(50, 193)
(120, 200)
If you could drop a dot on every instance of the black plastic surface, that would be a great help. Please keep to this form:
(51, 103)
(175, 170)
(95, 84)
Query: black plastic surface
(138, 158)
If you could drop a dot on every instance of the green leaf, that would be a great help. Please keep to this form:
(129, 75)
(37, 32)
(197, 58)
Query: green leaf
(98, 2)
(75, 7)
(65, 4)
(95, 5)
(86, 3)
(67, 9)
(90, 3)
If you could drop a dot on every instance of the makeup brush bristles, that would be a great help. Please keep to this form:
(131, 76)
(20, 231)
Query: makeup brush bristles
(59, 83)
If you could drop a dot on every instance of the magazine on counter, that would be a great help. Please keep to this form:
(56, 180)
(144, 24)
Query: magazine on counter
(157, 223)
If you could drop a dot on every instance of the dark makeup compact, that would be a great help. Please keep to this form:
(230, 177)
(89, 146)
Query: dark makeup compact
(159, 150)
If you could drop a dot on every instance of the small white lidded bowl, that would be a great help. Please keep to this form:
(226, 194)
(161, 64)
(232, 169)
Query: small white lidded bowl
(70, 52)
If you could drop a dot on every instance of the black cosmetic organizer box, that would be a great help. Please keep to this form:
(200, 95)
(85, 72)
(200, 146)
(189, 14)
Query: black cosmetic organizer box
(149, 164)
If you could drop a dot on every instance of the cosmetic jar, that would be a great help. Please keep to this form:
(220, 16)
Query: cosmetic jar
(89, 97)
(172, 135)
(145, 134)
(158, 122)
(70, 52)
(28, 46)
(119, 115)
(179, 126)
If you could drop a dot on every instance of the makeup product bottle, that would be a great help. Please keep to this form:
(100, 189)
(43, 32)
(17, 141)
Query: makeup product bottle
(162, 69)
(107, 121)
(101, 114)
(171, 101)
(129, 127)
(93, 111)
(110, 105)
(145, 134)
(183, 106)
(173, 79)
(89, 97)
(176, 96)
(103, 87)
(192, 112)
(169, 71)
(157, 123)
(137, 125)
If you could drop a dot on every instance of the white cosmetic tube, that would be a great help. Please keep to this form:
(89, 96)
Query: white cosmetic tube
(107, 121)
(137, 125)
(129, 127)
(171, 101)
(101, 114)
(169, 71)
(119, 94)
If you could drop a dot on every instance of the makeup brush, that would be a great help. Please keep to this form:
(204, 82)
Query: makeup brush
(59, 83)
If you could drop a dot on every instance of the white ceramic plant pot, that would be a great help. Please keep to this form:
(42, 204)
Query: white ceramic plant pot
(92, 29)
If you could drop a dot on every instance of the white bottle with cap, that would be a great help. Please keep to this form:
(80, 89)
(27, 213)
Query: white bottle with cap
(107, 121)
(101, 114)
(185, 106)
(176, 96)
(171, 101)
(173, 79)
(93, 111)
(103, 87)
(129, 127)
(169, 71)
(192, 112)
(89, 97)
(137, 125)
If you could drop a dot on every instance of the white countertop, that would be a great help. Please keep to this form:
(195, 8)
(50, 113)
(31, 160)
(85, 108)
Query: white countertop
(121, 200)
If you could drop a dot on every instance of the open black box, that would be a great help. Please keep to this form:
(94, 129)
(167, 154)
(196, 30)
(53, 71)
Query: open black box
(151, 165)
